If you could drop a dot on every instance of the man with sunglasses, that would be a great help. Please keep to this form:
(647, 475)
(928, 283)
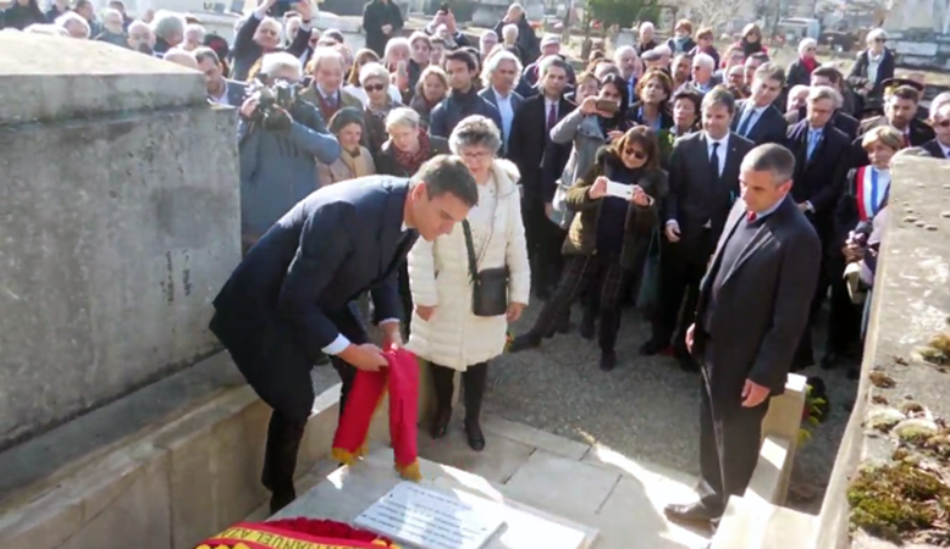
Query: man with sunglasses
(939, 146)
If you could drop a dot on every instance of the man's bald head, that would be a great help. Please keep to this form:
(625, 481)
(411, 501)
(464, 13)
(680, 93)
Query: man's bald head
(181, 57)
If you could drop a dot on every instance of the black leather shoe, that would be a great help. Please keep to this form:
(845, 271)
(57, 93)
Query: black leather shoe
(695, 513)
(608, 360)
(653, 347)
(279, 500)
(526, 341)
(440, 425)
(473, 431)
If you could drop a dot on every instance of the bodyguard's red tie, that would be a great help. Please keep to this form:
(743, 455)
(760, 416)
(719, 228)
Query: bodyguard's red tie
(751, 216)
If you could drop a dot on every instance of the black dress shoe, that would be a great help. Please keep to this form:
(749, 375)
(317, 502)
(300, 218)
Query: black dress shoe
(587, 327)
(440, 425)
(279, 500)
(525, 341)
(473, 431)
(653, 347)
(690, 513)
(608, 360)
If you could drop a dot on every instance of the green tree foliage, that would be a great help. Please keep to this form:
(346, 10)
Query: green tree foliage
(623, 12)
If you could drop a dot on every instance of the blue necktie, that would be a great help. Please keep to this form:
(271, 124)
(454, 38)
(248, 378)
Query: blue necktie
(746, 122)
(814, 138)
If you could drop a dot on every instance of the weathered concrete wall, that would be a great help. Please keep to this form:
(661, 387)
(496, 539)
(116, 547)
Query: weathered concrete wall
(119, 221)
(911, 304)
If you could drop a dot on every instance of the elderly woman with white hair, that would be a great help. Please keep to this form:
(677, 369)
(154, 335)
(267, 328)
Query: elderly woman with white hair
(375, 81)
(74, 24)
(873, 67)
(526, 40)
(169, 30)
(260, 34)
(469, 285)
(799, 72)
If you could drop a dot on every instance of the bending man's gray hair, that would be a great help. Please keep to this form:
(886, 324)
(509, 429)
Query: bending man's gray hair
(772, 158)
(475, 131)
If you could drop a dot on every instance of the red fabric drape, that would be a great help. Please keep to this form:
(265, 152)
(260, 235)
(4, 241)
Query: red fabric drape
(297, 532)
(401, 380)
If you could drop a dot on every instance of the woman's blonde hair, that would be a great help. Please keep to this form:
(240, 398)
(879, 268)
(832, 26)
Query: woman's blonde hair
(432, 70)
(361, 58)
(885, 135)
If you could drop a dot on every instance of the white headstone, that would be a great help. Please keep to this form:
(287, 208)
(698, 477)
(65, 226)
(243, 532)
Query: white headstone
(431, 519)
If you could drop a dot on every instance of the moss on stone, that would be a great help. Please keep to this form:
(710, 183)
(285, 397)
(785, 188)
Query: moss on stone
(896, 500)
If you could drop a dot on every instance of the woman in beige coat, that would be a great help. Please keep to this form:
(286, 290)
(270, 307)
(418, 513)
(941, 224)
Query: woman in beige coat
(355, 161)
(445, 331)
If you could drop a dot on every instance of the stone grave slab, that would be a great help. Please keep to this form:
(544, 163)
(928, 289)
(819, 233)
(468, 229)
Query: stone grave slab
(347, 493)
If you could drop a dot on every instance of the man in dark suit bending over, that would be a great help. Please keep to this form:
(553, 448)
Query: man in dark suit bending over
(753, 308)
(293, 296)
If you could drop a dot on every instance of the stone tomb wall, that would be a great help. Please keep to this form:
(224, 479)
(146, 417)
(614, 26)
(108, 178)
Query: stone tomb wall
(119, 221)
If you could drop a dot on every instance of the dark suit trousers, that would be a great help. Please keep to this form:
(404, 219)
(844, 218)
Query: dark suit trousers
(844, 317)
(544, 241)
(292, 410)
(579, 271)
(682, 267)
(729, 441)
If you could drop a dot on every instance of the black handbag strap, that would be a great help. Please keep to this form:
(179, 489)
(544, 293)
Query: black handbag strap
(470, 246)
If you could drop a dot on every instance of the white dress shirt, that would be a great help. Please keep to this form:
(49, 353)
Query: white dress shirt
(507, 112)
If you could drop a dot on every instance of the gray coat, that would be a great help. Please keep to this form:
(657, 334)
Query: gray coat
(278, 168)
(586, 134)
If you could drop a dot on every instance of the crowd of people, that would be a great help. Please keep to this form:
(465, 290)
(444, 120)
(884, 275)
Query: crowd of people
(723, 195)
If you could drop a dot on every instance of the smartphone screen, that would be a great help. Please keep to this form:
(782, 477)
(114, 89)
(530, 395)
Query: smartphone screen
(607, 105)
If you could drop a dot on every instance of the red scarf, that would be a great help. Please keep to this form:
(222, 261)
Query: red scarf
(809, 64)
(327, 109)
(299, 533)
(411, 161)
(401, 380)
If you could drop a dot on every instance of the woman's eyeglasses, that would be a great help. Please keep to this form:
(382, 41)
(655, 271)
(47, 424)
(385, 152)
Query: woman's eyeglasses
(636, 153)
(374, 87)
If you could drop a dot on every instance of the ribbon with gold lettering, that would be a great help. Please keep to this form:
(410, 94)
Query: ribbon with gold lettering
(295, 534)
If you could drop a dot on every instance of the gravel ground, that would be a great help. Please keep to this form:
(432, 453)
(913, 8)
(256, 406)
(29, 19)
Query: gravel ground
(647, 408)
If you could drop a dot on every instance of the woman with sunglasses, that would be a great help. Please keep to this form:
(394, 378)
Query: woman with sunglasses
(352, 86)
(616, 204)
(374, 78)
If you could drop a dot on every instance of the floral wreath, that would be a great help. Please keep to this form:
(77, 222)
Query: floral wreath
(299, 533)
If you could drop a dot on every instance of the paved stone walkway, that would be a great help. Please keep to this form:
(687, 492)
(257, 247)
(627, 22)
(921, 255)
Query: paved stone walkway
(646, 409)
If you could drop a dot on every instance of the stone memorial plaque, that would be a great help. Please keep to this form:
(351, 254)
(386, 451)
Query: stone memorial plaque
(431, 519)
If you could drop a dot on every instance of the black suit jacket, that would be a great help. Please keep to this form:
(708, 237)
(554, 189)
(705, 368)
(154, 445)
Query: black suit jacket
(934, 149)
(529, 140)
(762, 305)
(292, 294)
(695, 196)
(816, 179)
(771, 126)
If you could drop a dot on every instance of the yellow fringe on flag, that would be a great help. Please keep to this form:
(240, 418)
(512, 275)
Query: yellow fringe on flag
(410, 472)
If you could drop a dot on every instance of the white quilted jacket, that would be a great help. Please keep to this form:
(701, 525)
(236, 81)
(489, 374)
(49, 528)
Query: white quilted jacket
(439, 276)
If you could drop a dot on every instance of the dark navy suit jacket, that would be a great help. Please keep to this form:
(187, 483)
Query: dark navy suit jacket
(294, 292)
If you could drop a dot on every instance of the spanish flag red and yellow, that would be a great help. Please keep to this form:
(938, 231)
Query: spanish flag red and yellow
(299, 533)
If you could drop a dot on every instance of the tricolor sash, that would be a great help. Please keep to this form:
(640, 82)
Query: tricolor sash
(867, 185)
(316, 534)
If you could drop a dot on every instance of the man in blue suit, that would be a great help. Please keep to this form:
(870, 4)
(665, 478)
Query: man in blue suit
(292, 298)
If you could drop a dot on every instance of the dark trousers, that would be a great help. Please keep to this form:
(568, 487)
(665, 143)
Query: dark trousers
(805, 354)
(578, 271)
(729, 441)
(289, 417)
(682, 267)
(544, 240)
(844, 317)
(474, 380)
(406, 296)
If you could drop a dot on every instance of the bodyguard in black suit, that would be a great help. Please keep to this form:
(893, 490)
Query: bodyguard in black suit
(900, 112)
(818, 148)
(704, 183)
(753, 307)
(530, 136)
(756, 118)
(293, 296)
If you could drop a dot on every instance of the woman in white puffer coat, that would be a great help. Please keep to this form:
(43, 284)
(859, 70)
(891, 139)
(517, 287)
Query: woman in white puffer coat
(445, 331)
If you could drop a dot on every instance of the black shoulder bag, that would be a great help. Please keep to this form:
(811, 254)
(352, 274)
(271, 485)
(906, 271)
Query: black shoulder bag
(490, 286)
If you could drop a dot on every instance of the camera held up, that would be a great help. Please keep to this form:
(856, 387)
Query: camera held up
(274, 103)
